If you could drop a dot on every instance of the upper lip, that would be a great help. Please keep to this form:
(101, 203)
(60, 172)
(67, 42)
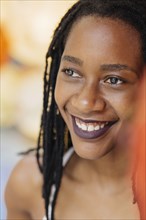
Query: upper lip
(93, 120)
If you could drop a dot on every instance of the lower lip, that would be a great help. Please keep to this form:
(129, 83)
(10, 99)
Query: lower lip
(90, 134)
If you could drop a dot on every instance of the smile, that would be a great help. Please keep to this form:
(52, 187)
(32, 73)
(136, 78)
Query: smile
(91, 129)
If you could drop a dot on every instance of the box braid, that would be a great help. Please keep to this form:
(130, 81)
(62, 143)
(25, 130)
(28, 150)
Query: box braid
(52, 129)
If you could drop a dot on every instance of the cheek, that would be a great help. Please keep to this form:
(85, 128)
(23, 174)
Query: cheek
(124, 103)
(58, 93)
(63, 92)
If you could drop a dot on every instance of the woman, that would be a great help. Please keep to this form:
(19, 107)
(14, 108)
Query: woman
(98, 55)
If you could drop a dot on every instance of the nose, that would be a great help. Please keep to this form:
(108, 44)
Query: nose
(89, 99)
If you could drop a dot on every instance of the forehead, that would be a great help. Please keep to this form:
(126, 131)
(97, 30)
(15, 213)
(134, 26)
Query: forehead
(97, 36)
(105, 26)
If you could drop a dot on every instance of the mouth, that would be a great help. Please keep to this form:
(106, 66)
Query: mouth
(91, 129)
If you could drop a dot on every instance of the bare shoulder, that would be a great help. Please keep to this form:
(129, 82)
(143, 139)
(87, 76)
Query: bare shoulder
(25, 175)
(23, 187)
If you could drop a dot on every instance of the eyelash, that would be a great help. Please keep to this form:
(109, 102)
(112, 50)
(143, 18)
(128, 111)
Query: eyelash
(71, 73)
(74, 74)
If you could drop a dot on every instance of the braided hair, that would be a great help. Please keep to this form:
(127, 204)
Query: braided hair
(53, 138)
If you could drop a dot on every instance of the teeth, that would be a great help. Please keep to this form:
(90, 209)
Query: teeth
(90, 127)
(97, 127)
(84, 127)
(78, 124)
(102, 126)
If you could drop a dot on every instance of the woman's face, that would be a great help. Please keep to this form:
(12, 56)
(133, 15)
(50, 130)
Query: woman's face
(97, 82)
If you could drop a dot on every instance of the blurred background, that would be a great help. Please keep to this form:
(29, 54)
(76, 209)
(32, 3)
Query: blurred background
(26, 29)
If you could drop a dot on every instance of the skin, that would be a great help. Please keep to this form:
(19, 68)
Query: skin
(99, 192)
(23, 193)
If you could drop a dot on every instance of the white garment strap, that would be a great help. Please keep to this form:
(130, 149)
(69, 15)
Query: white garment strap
(67, 156)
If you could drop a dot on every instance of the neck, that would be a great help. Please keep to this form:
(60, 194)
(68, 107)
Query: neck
(111, 168)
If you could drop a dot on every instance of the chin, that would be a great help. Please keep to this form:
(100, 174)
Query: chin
(91, 150)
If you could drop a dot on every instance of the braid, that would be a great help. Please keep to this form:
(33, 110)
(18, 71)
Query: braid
(59, 170)
(52, 130)
(52, 123)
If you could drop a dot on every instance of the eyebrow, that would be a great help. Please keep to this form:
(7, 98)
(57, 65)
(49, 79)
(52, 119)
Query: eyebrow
(103, 67)
(73, 60)
(116, 67)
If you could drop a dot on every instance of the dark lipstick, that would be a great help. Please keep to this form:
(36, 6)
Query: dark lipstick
(91, 134)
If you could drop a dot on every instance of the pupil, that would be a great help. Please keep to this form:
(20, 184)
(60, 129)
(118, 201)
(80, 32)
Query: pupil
(70, 72)
(114, 80)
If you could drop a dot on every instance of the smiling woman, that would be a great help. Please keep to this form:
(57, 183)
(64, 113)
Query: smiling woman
(96, 82)
(98, 56)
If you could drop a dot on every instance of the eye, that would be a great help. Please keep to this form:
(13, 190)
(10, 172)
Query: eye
(114, 80)
(71, 73)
